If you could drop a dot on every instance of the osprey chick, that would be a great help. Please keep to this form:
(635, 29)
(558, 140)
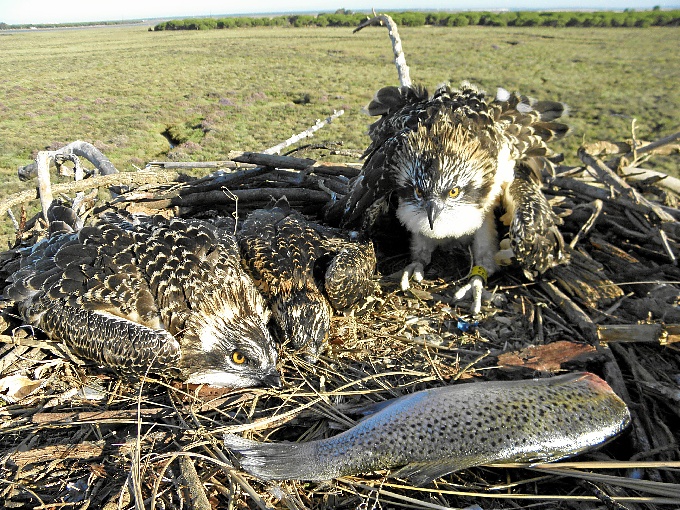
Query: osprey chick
(306, 270)
(142, 294)
(450, 160)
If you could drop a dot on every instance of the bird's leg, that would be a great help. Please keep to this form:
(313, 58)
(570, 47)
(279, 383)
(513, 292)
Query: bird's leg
(484, 249)
(421, 255)
(475, 287)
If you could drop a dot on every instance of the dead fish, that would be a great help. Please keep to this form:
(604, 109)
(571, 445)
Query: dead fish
(434, 432)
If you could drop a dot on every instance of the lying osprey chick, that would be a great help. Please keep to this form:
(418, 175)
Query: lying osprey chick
(444, 163)
(306, 270)
(140, 294)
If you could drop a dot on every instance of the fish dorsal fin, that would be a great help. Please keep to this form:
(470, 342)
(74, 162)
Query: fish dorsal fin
(422, 473)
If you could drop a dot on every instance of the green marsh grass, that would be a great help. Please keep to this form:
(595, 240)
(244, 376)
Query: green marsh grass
(121, 88)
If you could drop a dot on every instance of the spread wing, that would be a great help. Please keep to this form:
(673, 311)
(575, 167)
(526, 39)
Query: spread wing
(526, 124)
(404, 110)
(400, 110)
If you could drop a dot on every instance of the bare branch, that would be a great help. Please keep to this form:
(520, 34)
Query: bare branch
(635, 174)
(393, 31)
(258, 195)
(572, 311)
(122, 179)
(606, 175)
(197, 497)
(667, 140)
(44, 186)
(306, 133)
(78, 148)
(188, 165)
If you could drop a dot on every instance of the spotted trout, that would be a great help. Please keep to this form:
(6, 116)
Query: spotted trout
(433, 432)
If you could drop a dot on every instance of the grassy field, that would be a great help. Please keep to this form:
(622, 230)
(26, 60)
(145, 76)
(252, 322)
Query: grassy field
(249, 89)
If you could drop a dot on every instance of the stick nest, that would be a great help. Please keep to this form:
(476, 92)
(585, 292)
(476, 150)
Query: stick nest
(76, 436)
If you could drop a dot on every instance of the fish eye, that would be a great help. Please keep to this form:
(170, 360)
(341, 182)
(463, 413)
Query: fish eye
(238, 357)
(454, 192)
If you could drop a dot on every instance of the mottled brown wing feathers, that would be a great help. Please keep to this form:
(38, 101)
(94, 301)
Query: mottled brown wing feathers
(528, 124)
(98, 274)
(280, 251)
(261, 262)
(117, 343)
(535, 238)
(348, 279)
(181, 260)
(286, 252)
(141, 270)
(120, 291)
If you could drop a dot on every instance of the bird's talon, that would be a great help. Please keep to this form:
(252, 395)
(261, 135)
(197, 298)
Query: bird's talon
(404, 281)
(474, 287)
(461, 292)
(414, 270)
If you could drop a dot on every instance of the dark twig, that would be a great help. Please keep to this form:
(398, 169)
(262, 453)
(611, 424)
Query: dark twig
(271, 160)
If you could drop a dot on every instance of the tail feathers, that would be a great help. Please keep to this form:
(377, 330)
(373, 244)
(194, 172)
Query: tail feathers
(275, 461)
(527, 112)
(550, 130)
(390, 99)
(550, 110)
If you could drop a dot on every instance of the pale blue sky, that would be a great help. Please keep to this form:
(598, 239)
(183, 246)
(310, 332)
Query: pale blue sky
(60, 11)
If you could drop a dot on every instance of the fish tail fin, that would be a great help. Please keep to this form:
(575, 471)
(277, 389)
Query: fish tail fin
(274, 461)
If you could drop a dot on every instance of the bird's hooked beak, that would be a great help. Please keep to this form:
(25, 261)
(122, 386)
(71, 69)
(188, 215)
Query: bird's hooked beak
(433, 209)
(272, 380)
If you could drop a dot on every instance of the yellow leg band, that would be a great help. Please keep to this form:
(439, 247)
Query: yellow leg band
(479, 271)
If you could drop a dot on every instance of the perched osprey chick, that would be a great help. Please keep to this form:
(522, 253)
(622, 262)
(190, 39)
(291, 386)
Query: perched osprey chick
(306, 270)
(445, 162)
(140, 294)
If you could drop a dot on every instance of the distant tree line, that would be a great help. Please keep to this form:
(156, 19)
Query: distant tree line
(345, 18)
(25, 26)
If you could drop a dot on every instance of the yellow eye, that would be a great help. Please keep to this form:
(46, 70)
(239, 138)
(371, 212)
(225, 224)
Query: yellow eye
(238, 357)
(418, 193)
(454, 192)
